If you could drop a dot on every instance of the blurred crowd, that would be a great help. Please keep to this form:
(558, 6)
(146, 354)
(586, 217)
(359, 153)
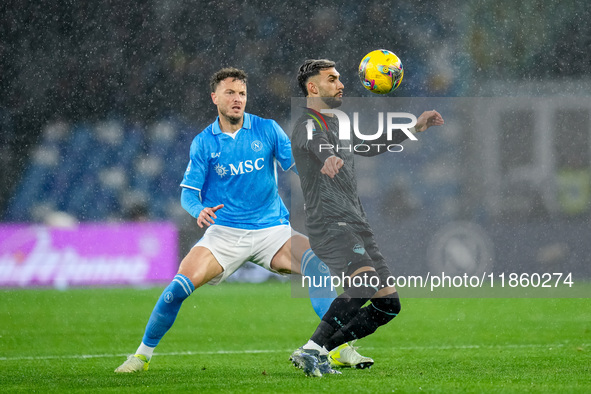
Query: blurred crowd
(140, 59)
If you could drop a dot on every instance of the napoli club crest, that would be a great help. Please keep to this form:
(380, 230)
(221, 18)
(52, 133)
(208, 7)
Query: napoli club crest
(256, 146)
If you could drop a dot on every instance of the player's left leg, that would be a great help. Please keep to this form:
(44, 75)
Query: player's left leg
(196, 269)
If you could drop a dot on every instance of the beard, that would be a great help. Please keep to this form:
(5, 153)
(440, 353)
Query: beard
(232, 119)
(332, 102)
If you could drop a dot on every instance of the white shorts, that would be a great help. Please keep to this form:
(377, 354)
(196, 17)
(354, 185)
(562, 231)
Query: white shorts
(232, 247)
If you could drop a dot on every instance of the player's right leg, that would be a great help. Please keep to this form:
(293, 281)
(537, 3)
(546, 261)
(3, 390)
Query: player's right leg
(196, 269)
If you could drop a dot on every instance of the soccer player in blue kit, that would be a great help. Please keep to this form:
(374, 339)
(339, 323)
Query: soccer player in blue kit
(230, 187)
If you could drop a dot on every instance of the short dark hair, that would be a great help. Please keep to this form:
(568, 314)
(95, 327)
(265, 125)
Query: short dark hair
(228, 72)
(310, 68)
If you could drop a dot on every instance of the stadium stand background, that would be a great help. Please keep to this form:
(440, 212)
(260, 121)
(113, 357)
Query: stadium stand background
(99, 100)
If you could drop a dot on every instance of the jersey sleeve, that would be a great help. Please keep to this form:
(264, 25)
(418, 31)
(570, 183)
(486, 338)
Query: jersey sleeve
(318, 145)
(282, 148)
(196, 171)
(191, 201)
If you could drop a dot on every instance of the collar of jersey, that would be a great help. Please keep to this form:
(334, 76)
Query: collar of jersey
(216, 125)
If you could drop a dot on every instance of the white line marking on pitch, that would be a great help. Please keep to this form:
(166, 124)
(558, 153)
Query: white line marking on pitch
(197, 353)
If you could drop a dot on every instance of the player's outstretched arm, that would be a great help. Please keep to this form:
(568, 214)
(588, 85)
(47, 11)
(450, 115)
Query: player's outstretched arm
(428, 119)
(207, 215)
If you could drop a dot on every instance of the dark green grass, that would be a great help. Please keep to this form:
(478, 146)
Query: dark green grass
(435, 345)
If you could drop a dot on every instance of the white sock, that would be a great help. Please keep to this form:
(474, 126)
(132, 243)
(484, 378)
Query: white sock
(314, 346)
(145, 351)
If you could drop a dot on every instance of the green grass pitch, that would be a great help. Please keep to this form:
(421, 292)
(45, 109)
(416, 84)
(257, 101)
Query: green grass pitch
(238, 338)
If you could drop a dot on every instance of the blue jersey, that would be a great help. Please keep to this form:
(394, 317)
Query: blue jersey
(240, 172)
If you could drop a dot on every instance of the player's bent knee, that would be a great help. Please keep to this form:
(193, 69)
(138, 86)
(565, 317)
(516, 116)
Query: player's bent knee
(200, 266)
(364, 285)
(282, 262)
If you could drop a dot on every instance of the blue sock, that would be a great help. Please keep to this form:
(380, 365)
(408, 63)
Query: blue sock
(316, 270)
(166, 309)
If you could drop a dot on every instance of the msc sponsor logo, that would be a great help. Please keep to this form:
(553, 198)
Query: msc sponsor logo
(247, 166)
(243, 167)
(220, 170)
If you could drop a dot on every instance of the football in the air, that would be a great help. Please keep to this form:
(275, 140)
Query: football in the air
(381, 71)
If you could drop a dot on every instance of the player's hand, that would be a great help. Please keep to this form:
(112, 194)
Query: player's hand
(331, 166)
(207, 215)
(428, 119)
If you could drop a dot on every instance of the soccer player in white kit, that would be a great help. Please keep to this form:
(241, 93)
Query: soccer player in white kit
(230, 187)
